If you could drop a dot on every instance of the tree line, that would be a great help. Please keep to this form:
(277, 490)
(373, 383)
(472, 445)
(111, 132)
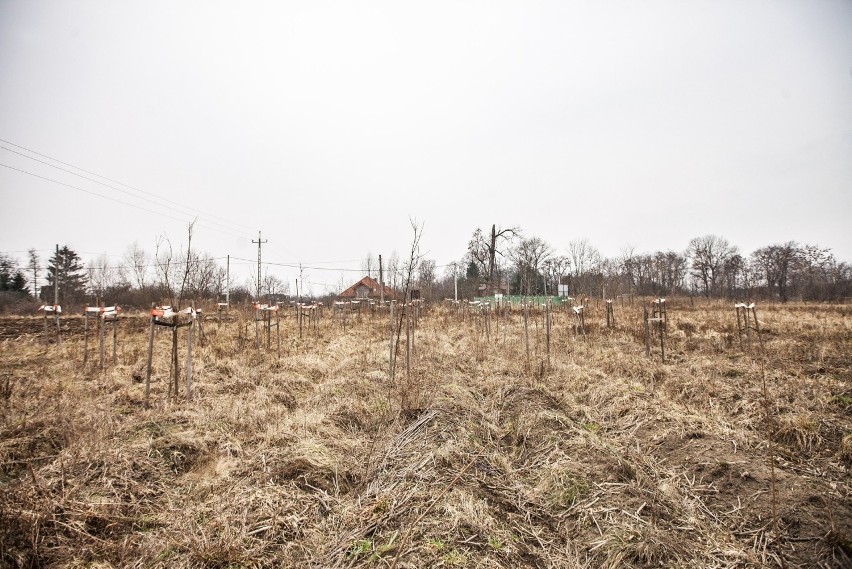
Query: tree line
(502, 260)
(505, 260)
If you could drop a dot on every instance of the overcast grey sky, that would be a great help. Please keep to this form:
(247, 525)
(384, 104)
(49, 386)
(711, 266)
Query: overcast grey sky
(328, 124)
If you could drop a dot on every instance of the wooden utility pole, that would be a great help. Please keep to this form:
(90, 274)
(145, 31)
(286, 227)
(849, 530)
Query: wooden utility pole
(259, 243)
(56, 297)
(56, 278)
(301, 280)
(228, 280)
(35, 277)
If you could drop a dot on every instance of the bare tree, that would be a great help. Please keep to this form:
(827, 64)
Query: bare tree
(407, 269)
(585, 266)
(554, 268)
(477, 251)
(626, 262)
(202, 276)
(498, 236)
(273, 285)
(528, 257)
(813, 268)
(733, 275)
(166, 267)
(668, 270)
(776, 264)
(708, 255)
(426, 276)
(102, 275)
(189, 264)
(342, 283)
(220, 284)
(394, 271)
(369, 264)
(612, 277)
(136, 260)
(584, 256)
(484, 251)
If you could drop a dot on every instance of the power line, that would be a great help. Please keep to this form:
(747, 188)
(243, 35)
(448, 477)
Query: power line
(90, 192)
(113, 181)
(108, 185)
(112, 198)
(282, 248)
(158, 264)
(297, 266)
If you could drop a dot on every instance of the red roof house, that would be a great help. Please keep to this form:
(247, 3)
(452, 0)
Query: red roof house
(368, 287)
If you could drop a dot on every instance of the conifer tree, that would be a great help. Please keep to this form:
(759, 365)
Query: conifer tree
(66, 268)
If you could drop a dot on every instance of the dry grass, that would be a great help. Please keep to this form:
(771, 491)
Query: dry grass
(313, 459)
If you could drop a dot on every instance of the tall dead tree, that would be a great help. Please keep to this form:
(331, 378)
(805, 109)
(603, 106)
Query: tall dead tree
(504, 235)
(484, 250)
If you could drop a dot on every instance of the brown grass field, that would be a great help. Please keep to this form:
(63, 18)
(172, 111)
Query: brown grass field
(607, 458)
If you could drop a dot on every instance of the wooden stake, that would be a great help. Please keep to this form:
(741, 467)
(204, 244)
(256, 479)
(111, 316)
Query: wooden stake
(86, 334)
(199, 318)
(408, 342)
(548, 332)
(58, 328)
(175, 366)
(390, 343)
(150, 355)
(748, 327)
(527, 333)
(101, 326)
(505, 320)
(188, 382)
(268, 317)
(257, 316)
(739, 327)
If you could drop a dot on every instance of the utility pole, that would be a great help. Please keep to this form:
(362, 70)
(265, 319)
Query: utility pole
(228, 281)
(259, 243)
(56, 278)
(301, 280)
(34, 266)
(56, 297)
(381, 281)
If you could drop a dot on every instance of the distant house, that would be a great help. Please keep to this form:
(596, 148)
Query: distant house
(368, 287)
